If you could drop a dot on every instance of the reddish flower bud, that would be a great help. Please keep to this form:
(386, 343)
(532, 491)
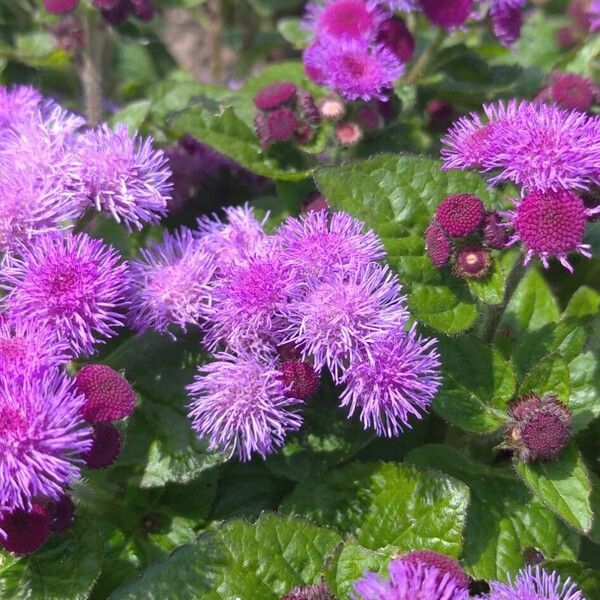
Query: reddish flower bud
(304, 133)
(307, 107)
(472, 262)
(572, 91)
(437, 244)
(495, 235)
(460, 215)
(275, 95)
(108, 395)
(369, 118)
(301, 380)
(26, 531)
(447, 13)
(440, 113)
(395, 35)
(565, 38)
(118, 14)
(444, 564)
(106, 446)
(540, 428)
(62, 514)
(106, 4)
(142, 9)
(348, 133)
(276, 126)
(331, 108)
(60, 7)
(315, 201)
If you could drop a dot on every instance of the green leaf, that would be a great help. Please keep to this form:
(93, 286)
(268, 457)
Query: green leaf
(133, 115)
(584, 302)
(563, 486)
(489, 289)
(550, 375)
(587, 580)
(292, 31)
(229, 135)
(503, 519)
(66, 568)
(239, 560)
(396, 196)
(477, 385)
(386, 504)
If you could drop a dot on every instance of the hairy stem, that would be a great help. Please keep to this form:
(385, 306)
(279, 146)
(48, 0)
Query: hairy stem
(90, 71)
(421, 64)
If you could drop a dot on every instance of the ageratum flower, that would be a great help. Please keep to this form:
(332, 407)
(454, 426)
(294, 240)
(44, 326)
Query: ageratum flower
(74, 284)
(353, 67)
(507, 19)
(231, 242)
(171, 285)
(550, 224)
(534, 583)
(42, 435)
(407, 581)
(318, 243)
(331, 321)
(444, 564)
(396, 378)
(124, 175)
(17, 104)
(240, 404)
(28, 348)
(343, 19)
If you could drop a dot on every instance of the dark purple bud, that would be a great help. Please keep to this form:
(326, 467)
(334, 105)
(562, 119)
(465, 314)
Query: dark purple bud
(447, 13)
(369, 118)
(495, 235)
(437, 244)
(395, 35)
(142, 9)
(60, 7)
(315, 201)
(300, 379)
(106, 446)
(307, 107)
(62, 513)
(26, 531)
(572, 91)
(440, 114)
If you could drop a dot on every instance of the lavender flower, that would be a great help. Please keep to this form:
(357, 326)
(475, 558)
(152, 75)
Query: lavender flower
(333, 320)
(240, 404)
(73, 283)
(594, 15)
(507, 19)
(343, 19)
(534, 583)
(354, 68)
(409, 580)
(171, 285)
(124, 175)
(41, 437)
(318, 243)
(17, 104)
(28, 349)
(397, 378)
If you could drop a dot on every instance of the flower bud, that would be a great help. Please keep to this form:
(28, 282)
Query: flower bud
(472, 262)
(300, 379)
(106, 446)
(460, 215)
(348, 133)
(60, 7)
(437, 244)
(26, 531)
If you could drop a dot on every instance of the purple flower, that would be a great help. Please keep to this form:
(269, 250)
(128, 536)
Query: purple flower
(41, 437)
(125, 175)
(28, 348)
(73, 283)
(354, 68)
(550, 224)
(17, 104)
(448, 14)
(240, 404)
(534, 583)
(343, 19)
(594, 15)
(232, 241)
(249, 303)
(408, 581)
(536, 146)
(397, 379)
(507, 19)
(397, 5)
(333, 320)
(319, 242)
(171, 284)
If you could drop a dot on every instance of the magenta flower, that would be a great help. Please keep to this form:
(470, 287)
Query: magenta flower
(331, 321)
(17, 104)
(28, 348)
(396, 378)
(550, 224)
(240, 404)
(444, 564)
(534, 583)
(73, 283)
(354, 68)
(343, 19)
(42, 435)
(507, 19)
(318, 243)
(407, 581)
(171, 285)
(594, 15)
(448, 14)
(124, 175)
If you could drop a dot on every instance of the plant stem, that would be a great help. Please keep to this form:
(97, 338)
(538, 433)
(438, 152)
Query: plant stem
(90, 71)
(495, 313)
(421, 64)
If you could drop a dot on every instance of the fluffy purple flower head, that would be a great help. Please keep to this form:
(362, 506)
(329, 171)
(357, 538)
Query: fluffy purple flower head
(507, 19)
(448, 14)
(28, 349)
(534, 583)
(42, 435)
(444, 564)
(409, 581)
(332, 320)
(342, 19)
(319, 242)
(17, 104)
(550, 224)
(240, 404)
(249, 303)
(59, 121)
(354, 68)
(231, 242)
(74, 284)
(594, 15)
(171, 285)
(397, 378)
(124, 175)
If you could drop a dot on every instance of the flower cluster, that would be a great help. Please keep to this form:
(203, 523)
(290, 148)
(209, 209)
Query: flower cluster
(64, 293)
(433, 576)
(551, 153)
